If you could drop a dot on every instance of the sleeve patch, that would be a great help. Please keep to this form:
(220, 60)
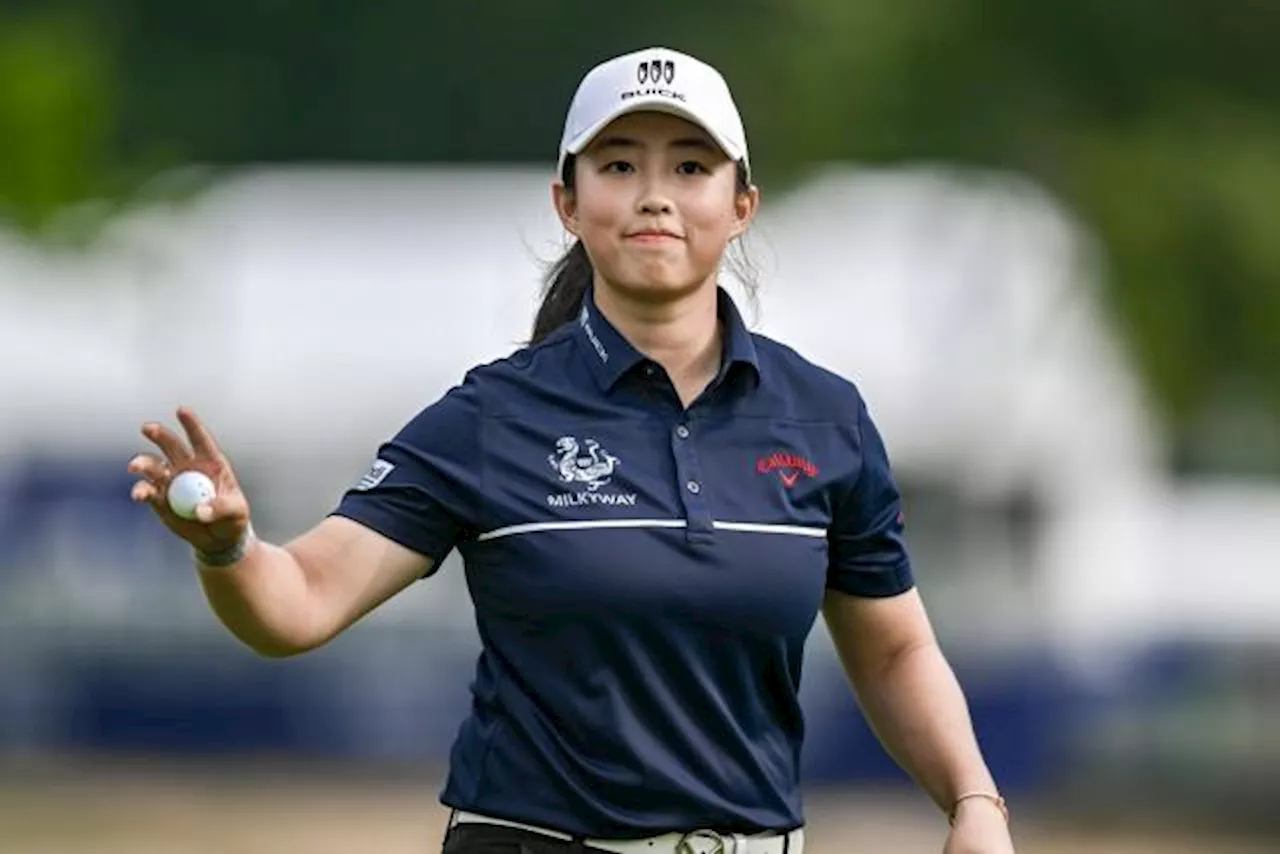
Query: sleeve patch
(377, 473)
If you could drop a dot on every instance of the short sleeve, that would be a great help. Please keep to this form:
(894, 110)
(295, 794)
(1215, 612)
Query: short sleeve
(423, 489)
(868, 555)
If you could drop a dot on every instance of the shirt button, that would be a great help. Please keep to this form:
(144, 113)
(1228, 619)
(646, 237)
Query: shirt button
(682, 431)
(693, 486)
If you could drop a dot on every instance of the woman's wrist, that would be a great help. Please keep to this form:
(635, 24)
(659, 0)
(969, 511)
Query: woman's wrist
(968, 800)
(229, 556)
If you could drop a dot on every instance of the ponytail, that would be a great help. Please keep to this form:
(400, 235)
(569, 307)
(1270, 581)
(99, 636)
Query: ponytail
(567, 280)
(565, 285)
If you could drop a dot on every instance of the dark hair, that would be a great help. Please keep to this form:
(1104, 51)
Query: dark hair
(567, 280)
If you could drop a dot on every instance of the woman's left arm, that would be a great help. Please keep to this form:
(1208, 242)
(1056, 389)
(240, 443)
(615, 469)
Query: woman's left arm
(914, 704)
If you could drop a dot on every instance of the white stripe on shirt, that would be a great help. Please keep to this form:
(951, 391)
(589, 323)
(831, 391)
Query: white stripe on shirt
(596, 524)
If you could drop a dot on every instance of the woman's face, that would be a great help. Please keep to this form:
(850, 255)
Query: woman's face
(655, 203)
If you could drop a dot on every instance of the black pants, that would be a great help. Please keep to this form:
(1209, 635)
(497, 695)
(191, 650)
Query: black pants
(496, 839)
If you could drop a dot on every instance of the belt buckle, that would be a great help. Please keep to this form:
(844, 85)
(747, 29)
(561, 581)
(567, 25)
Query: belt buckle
(703, 842)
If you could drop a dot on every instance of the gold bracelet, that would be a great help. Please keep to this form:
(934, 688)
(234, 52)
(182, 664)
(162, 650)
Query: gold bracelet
(990, 796)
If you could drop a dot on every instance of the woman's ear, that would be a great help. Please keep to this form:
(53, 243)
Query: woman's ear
(745, 206)
(566, 205)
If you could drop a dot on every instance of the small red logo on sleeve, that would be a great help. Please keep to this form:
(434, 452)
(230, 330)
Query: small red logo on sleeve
(788, 466)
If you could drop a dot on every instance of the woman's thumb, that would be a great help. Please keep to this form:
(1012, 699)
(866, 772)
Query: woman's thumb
(226, 506)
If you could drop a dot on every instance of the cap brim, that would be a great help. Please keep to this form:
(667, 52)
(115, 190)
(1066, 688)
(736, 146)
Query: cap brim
(651, 103)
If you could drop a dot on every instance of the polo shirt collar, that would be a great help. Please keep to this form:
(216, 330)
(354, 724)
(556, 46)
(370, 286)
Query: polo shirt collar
(610, 356)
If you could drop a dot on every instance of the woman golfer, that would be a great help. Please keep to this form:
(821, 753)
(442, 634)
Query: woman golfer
(653, 505)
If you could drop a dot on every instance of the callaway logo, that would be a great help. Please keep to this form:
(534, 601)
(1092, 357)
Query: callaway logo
(788, 466)
(592, 468)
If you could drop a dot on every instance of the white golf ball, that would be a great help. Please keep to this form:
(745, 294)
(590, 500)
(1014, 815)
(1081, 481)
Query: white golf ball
(188, 491)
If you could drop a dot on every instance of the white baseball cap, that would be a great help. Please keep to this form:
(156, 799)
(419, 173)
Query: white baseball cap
(659, 79)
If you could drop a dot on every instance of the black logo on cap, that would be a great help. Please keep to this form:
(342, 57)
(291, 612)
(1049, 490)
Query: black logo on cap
(656, 71)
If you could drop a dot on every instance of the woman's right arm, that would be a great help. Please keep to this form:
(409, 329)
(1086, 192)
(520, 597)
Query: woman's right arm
(278, 600)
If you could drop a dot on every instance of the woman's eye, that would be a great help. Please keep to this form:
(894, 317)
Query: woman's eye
(620, 166)
(692, 167)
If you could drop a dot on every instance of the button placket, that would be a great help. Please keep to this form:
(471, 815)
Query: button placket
(698, 520)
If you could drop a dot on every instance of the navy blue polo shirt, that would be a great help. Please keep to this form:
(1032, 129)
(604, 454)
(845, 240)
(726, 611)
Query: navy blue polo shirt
(644, 575)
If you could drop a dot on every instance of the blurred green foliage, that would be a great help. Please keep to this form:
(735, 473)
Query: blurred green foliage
(1158, 123)
(55, 111)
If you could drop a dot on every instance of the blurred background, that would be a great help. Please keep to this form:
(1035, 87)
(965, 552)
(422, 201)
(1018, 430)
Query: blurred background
(1044, 238)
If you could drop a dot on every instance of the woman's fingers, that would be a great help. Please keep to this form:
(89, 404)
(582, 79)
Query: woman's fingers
(218, 523)
(167, 441)
(202, 441)
(151, 467)
(212, 511)
(144, 491)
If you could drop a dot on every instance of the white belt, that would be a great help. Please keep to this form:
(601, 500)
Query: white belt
(693, 842)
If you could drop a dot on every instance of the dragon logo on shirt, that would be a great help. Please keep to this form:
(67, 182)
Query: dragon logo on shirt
(592, 468)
